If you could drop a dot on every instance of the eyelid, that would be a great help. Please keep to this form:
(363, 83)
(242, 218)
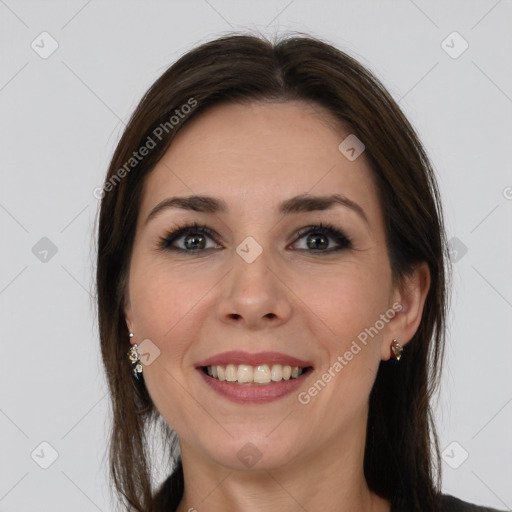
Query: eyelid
(343, 241)
(178, 231)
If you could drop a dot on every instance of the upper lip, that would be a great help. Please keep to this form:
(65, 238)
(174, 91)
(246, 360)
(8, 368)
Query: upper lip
(241, 357)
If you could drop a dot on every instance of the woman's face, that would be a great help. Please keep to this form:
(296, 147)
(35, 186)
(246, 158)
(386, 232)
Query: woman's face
(262, 279)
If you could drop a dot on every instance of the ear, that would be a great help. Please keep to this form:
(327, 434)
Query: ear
(411, 295)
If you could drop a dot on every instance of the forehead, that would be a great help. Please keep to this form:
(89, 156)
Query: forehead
(260, 152)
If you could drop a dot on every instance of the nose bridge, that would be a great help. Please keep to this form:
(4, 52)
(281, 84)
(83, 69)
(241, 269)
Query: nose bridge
(253, 294)
(251, 276)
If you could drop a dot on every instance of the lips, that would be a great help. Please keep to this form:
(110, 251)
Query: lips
(255, 392)
(238, 357)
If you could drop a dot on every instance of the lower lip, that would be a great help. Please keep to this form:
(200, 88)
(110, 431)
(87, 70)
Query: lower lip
(254, 393)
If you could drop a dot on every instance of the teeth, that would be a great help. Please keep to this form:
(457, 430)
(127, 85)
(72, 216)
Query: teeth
(276, 374)
(230, 373)
(262, 374)
(247, 374)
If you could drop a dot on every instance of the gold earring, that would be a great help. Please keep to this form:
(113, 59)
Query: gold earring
(396, 350)
(134, 357)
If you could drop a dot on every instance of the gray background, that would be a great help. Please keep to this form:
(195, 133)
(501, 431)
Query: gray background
(61, 117)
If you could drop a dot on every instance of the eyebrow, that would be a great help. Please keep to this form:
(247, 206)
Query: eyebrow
(297, 204)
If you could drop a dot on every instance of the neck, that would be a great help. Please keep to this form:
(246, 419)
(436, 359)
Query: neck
(328, 479)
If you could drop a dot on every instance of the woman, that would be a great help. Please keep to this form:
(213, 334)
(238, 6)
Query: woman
(272, 260)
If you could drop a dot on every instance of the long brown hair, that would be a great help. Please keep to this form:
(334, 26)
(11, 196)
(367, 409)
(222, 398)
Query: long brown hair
(402, 459)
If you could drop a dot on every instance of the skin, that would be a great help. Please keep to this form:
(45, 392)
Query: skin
(193, 306)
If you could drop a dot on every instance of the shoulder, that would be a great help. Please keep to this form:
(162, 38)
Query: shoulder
(450, 503)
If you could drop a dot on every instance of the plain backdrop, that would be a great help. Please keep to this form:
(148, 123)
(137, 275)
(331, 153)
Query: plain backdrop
(61, 116)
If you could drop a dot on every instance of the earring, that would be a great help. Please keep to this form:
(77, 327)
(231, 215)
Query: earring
(134, 357)
(396, 350)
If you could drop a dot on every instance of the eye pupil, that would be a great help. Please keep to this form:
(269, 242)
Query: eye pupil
(317, 241)
(194, 241)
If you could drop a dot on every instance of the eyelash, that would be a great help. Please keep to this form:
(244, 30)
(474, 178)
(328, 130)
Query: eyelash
(344, 242)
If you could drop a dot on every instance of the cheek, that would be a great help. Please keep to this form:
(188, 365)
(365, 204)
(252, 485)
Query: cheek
(165, 303)
(349, 305)
(347, 301)
(162, 297)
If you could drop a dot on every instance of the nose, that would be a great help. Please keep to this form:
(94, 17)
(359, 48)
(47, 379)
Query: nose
(255, 295)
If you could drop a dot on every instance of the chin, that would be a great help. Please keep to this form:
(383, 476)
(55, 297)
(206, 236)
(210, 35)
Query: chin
(251, 453)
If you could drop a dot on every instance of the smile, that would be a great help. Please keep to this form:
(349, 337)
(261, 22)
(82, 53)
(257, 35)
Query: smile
(246, 377)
